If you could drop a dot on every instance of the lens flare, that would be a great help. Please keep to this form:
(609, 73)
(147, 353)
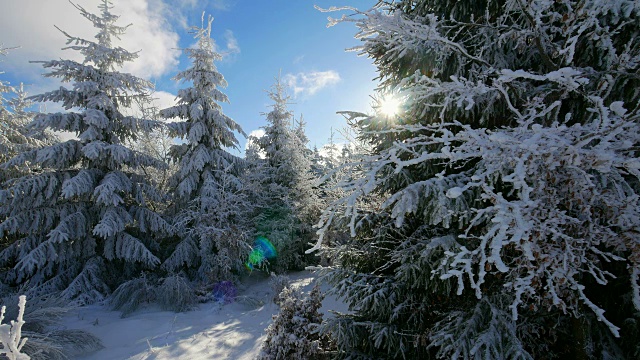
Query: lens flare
(263, 250)
(390, 106)
(224, 292)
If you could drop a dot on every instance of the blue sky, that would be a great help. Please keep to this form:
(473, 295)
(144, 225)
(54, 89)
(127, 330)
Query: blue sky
(259, 40)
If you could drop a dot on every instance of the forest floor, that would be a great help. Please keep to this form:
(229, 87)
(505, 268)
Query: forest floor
(212, 331)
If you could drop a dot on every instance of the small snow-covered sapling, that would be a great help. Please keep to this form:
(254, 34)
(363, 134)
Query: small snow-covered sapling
(10, 334)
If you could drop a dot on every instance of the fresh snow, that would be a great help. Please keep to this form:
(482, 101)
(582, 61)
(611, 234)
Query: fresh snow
(233, 331)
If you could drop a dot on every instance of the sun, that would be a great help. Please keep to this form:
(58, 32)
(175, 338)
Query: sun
(389, 106)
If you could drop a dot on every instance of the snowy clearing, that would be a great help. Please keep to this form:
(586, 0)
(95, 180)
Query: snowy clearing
(233, 331)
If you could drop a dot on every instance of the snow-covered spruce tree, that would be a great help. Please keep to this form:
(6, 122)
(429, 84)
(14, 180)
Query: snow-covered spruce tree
(331, 150)
(316, 162)
(82, 221)
(5, 143)
(210, 202)
(254, 176)
(4, 86)
(285, 176)
(157, 143)
(508, 215)
(260, 189)
(338, 172)
(16, 136)
(219, 232)
(305, 195)
(176, 294)
(133, 294)
(293, 334)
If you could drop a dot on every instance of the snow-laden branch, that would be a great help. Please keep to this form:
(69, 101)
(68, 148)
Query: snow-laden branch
(11, 334)
(549, 196)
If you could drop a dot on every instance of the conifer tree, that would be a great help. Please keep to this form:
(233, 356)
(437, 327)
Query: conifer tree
(496, 217)
(279, 137)
(157, 143)
(212, 207)
(16, 136)
(316, 162)
(6, 130)
(293, 334)
(4, 88)
(332, 152)
(255, 176)
(285, 176)
(305, 193)
(4, 85)
(82, 221)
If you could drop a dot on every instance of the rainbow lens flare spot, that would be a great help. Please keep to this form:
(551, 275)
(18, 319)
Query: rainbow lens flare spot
(263, 250)
(224, 292)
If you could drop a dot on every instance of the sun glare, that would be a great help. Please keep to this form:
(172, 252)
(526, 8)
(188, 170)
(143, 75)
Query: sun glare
(390, 106)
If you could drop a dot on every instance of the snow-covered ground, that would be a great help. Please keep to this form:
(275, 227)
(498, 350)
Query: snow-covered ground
(233, 331)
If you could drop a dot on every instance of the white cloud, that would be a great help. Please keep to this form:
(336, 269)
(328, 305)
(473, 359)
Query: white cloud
(232, 43)
(258, 133)
(152, 34)
(163, 99)
(311, 82)
(213, 4)
(177, 10)
(220, 4)
(298, 59)
(30, 25)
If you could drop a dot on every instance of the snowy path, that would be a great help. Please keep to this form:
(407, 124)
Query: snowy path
(234, 331)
